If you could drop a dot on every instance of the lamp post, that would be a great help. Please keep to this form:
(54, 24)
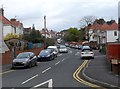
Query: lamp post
(45, 31)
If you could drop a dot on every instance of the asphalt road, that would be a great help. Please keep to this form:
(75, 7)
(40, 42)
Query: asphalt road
(55, 73)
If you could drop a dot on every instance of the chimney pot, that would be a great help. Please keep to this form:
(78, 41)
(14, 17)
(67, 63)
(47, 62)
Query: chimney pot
(1, 11)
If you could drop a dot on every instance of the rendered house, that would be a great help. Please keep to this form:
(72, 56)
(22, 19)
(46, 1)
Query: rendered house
(12, 26)
(103, 34)
(45, 33)
(7, 26)
(18, 26)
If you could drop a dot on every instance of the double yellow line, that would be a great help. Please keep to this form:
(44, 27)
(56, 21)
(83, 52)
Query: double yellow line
(76, 75)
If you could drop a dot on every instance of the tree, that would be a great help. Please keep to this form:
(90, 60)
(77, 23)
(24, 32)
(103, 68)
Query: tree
(49, 42)
(34, 36)
(73, 34)
(86, 23)
(87, 20)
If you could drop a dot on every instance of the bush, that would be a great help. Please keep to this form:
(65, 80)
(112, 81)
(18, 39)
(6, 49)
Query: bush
(10, 36)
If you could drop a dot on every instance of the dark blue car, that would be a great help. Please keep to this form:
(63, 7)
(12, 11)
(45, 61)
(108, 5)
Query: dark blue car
(46, 54)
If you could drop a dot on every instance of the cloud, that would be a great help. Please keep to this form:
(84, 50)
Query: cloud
(60, 14)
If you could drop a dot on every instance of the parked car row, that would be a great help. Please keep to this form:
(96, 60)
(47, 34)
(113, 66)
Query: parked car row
(76, 46)
(29, 59)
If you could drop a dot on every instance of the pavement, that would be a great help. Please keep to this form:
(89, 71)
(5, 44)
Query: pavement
(99, 71)
(6, 67)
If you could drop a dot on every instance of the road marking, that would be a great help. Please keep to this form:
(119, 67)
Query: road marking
(59, 54)
(46, 70)
(57, 63)
(63, 59)
(77, 53)
(29, 79)
(6, 72)
(50, 83)
(70, 51)
(76, 76)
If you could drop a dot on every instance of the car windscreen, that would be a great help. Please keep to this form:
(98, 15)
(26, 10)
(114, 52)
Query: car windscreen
(62, 47)
(23, 55)
(44, 53)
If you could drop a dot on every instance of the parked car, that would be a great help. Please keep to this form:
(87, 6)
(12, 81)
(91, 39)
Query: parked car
(87, 53)
(66, 44)
(58, 46)
(76, 46)
(25, 59)
(79, 46)
(55, 50)
(46, 54)
(63, 48)
(85, 47)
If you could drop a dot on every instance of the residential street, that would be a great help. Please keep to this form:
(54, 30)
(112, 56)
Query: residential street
(54, 44)
(61, 72)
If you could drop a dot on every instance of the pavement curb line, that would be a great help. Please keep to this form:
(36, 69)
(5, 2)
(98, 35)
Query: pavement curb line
(76, 76)
(96, 81)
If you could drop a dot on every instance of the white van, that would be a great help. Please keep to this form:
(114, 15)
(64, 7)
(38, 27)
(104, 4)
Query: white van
(55, 49)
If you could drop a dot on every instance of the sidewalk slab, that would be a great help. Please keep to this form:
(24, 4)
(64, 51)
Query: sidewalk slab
(6, 67)
(99, 69)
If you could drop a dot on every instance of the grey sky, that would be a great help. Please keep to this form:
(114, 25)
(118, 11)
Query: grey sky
(61, 14)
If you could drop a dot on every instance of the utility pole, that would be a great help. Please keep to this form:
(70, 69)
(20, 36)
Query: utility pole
(45, 31)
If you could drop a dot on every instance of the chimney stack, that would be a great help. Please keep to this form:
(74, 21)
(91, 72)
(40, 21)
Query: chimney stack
(13, 19)
(1, 12)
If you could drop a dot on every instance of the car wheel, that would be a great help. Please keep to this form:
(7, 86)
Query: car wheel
(12, 67)
(35, 63)
(30, 65)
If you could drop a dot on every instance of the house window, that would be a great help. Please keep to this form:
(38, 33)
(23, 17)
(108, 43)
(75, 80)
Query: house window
(115, 33)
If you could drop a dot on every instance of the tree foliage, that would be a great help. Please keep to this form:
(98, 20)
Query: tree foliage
(73, 34)
(10, 36)
(34, 36)
(49, 42)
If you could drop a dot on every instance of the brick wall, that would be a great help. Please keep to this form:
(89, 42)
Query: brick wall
(7, 56)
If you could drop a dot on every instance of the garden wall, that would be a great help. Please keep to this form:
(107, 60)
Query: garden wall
(7, 56)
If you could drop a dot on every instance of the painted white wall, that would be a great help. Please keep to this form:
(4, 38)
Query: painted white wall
(7, 29)
(111, 37)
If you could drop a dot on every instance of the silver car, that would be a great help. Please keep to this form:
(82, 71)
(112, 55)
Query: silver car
(63, 49)
(87, 52)
(25, 59)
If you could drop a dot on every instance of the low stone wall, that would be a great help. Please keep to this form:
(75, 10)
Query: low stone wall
(7, 56)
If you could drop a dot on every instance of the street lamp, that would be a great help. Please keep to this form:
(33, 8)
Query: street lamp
(45, 31)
